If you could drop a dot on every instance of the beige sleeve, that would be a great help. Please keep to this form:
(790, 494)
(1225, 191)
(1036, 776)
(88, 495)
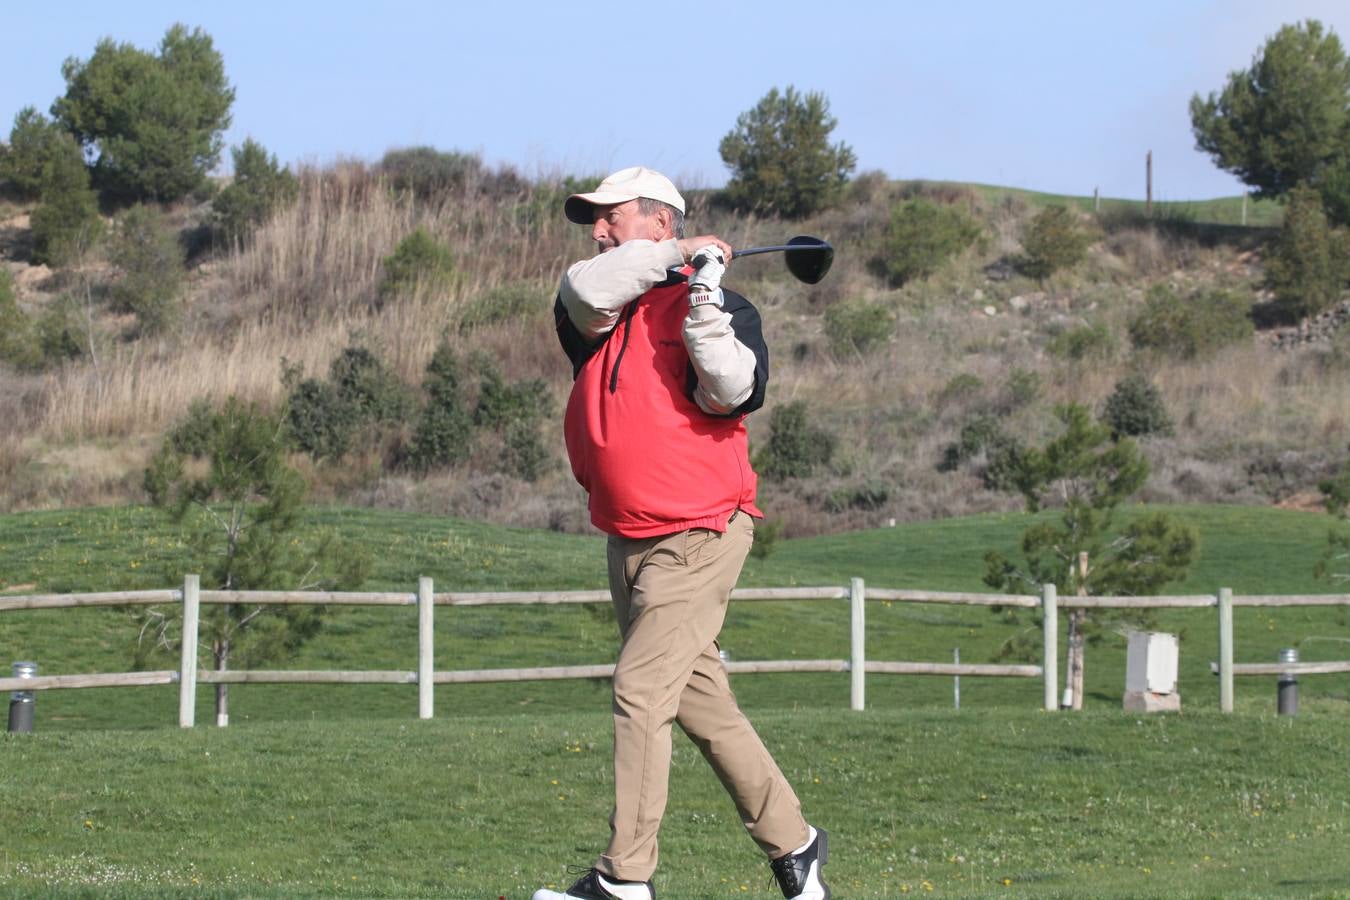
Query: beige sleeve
(725, 367)
(594, 290)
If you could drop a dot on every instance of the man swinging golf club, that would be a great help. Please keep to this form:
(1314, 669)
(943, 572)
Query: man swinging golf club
(666, 366)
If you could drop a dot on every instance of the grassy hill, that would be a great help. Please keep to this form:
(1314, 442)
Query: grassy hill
(976, 340)
(1215, 211)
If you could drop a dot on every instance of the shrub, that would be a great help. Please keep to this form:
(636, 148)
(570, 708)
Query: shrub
(524, 454)
(259, 187)
(796, 448)
(780, 155)
(516, 412)
(321, 424)
(33, 141)
(501, 404)
(767, 534)
(1054, 241)
(869, 495)
(1135, 408)
(857, 326)
(1302, 268)
(419, 260)
(18, 345)
(151, 260)
(983, 438)
(1190, 328)
(1023, 388)
(328, 418)
(60, 333)
(154, 120)
(66, 222)
(921, 237)
(428, 173)
(191, 436)
(1086, 342)
(960, 387)
(504, 303)
(31, 344)
(365, 383)
(444, 430)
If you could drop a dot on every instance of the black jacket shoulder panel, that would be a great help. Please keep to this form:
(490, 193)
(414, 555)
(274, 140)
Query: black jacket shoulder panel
(745, 322)
(573, 344)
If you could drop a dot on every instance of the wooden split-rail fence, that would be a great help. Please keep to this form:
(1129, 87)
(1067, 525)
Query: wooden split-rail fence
(188, 675)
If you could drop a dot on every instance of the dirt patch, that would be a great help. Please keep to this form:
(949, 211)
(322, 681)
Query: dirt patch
(1304, 501)
(16, 237)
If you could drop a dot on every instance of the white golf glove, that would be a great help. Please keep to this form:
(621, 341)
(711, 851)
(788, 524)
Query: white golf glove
(709, 264)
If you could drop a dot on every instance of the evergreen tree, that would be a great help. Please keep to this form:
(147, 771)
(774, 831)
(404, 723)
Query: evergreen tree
(242, 504)
(1285, 120)
(66, 221)
(780, 155)
(1091, 474)
(260, 186)
(152, 121)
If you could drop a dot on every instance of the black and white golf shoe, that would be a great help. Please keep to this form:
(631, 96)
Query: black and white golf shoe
(798, 874)
(595, 885)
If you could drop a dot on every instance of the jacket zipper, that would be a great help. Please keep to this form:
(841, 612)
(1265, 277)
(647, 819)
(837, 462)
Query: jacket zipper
(623, 348)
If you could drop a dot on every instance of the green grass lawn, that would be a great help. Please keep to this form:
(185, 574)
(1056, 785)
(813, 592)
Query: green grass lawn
(1251, 550)
(999, 803)
(341, 791)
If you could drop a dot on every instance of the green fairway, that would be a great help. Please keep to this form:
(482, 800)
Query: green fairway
(340, 790)
(1251, 550)
(991, 803)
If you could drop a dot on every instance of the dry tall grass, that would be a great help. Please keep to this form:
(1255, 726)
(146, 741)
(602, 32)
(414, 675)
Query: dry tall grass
(307, 286)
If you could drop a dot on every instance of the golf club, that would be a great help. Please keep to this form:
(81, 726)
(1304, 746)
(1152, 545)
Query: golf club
(808, 258)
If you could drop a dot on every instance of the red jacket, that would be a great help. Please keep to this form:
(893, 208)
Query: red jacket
(651, 460)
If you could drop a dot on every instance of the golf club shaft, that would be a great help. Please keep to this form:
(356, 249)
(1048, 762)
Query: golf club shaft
(753, 250)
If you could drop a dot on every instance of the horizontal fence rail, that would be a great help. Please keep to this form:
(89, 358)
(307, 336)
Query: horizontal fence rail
(111, 598)
(1335, 667)
(190, 596)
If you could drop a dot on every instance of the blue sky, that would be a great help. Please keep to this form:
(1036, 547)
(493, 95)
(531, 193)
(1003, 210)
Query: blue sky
(1054, 96)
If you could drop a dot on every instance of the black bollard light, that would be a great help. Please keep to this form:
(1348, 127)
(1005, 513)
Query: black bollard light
(21, 702)
(1286, 698)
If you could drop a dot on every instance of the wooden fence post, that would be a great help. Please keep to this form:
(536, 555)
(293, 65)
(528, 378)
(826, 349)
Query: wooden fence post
(1226, 649)
(1050, 645)
(426, 660)
(187, 666)
(857, 641)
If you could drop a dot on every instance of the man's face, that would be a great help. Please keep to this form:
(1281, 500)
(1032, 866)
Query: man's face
(623, 222)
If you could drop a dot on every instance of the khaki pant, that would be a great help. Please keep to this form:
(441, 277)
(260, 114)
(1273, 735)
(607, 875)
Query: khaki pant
(670, 594)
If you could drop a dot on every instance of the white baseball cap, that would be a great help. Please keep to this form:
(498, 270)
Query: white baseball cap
(622, 186)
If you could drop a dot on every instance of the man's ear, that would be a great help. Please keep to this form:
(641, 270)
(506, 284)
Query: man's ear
(665, 223)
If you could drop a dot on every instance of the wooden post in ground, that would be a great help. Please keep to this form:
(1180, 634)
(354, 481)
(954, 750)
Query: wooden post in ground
(1226, 650)
(425, 645)
(1073, 678)
(1050, 645)
(857, 652)
(187, 659)
(1148, 184)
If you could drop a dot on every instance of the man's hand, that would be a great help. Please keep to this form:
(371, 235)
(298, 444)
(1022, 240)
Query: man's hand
(709, 265)
(690, 246)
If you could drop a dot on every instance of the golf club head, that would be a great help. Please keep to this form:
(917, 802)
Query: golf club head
(808, 258)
